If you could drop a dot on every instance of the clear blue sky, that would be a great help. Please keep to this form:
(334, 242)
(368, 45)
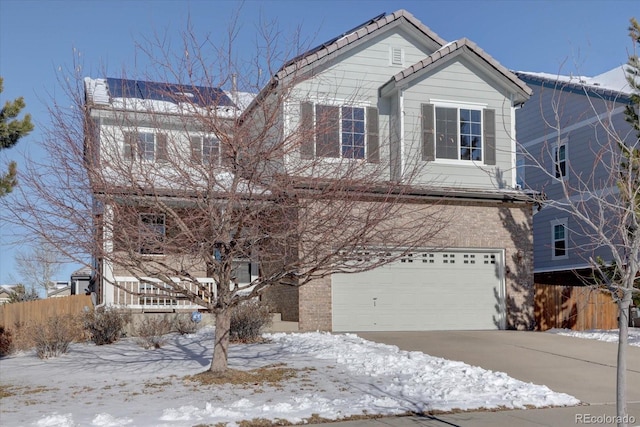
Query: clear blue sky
(585, 37)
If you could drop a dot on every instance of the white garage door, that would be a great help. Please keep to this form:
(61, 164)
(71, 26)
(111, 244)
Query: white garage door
(423, 291)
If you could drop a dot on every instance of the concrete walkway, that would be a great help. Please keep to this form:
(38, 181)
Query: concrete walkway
(582, 368)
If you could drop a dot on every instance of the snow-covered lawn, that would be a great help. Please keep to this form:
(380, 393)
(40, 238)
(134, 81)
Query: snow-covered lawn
(601, 335)
(337, 376)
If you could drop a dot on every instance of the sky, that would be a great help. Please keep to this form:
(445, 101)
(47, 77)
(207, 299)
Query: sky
(38, 39)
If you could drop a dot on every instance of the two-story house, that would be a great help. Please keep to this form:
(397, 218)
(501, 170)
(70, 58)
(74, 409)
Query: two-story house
(441, 116)
(565, 133)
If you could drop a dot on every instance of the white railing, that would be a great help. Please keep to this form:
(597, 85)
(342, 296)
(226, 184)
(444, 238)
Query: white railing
(153, 294)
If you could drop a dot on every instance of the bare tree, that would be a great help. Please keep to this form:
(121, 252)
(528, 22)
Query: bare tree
(178, 193)
(603, 198)
(38, 266)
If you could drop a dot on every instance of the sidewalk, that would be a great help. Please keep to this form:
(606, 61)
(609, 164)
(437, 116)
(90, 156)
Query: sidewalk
(550, 417)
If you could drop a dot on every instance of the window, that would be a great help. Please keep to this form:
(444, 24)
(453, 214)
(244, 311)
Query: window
(559, 239)
(147, 146)
(152, 234)
(242, 271)
(353, 133)
(458, 133)
(560, 159)
(205, 149)
(340, 132)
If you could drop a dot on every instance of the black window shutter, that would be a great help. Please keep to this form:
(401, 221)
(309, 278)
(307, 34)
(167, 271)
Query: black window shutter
(489, 122)
(196, 149)
(327, 131)
(428, 133)
(306, 130)
(373, 136)
(130, 141)
(161, 148)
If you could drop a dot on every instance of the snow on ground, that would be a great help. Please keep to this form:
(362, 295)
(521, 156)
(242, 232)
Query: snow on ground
(339, 375)
(601, 335)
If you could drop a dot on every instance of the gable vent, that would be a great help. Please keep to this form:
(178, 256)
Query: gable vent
(397, 56)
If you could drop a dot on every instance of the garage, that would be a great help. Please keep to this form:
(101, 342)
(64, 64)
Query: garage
(444, 290)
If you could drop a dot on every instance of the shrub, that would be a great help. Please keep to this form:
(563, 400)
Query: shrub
(6, 341)
(53, 338)
(183, 324)
(247, 321)
(105, 324)
(151, 331)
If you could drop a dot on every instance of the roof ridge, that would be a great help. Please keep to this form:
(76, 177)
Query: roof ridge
(450, 48)
(351, 36)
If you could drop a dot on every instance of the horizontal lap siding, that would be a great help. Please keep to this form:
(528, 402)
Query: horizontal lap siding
(459, 82)
(361, 71)
(584, 141)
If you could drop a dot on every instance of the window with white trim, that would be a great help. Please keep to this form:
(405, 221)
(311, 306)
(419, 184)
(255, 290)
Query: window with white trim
(205, 149)
(560, 160)
(145, 145)
(348, 132)
(458, 133)
(559, 239)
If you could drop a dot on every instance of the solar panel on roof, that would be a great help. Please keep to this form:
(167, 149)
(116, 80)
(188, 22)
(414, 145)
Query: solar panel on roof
(200, 95)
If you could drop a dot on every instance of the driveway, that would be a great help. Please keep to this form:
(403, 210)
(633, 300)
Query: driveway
(582, 368)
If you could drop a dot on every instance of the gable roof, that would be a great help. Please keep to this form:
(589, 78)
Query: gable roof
(447, 52)
(354, 35)
(611, 84)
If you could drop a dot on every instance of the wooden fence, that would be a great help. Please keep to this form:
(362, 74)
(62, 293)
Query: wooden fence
(40, 311)
(574, 307)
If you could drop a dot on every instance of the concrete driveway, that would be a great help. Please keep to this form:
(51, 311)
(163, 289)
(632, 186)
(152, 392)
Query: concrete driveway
(582, 368)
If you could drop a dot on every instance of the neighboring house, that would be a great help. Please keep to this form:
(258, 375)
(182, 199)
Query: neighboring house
(392, 90)
(59, 289)
(5, 293)
(80, 281)
(563, 127)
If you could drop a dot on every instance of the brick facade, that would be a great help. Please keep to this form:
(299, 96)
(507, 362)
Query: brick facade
(471, 225)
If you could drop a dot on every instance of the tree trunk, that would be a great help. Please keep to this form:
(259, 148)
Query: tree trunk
(221, 345)
(623, 338)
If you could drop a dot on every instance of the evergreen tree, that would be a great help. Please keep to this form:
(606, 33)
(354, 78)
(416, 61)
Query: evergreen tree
(21, 294)
(11, 130)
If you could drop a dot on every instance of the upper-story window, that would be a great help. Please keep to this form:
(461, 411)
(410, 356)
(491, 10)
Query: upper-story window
(458, 133)
(147, 146)
(560, 160)
(352, 135)
(339, 132)
(205, 149)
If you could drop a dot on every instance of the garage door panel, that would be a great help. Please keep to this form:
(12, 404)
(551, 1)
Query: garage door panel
(427, 291)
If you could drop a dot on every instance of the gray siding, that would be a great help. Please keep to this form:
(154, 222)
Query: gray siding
(460, 82)
(539, 130)
(355, 78)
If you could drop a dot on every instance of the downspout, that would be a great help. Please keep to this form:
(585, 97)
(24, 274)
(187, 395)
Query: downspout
(107, 266)
(514, 159)
(402, 147)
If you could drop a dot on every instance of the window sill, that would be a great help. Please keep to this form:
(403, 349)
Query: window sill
(473, 163)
